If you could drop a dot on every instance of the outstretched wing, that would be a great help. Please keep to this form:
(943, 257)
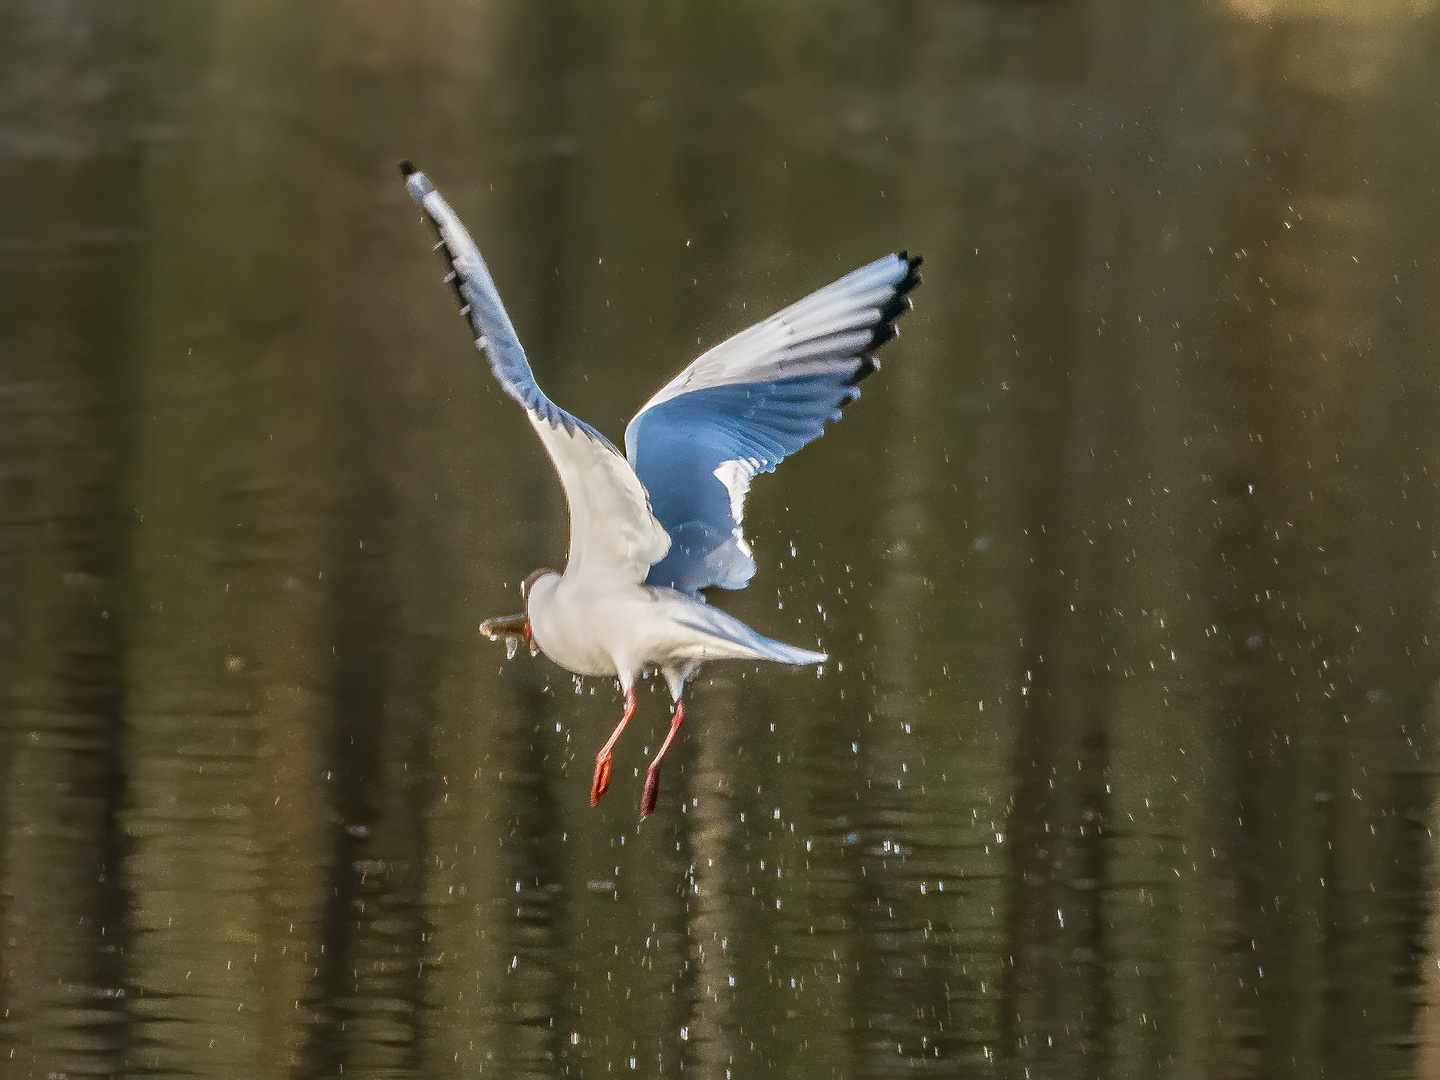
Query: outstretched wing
(747, 404)
(612, 529)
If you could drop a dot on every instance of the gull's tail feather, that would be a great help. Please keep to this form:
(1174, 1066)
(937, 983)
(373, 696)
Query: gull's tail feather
(729, 637)
(790, 654)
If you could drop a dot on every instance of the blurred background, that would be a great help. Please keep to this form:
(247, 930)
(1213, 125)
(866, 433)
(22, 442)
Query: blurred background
(1124, 761)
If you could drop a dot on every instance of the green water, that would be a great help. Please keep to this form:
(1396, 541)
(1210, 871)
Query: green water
(1123, 764)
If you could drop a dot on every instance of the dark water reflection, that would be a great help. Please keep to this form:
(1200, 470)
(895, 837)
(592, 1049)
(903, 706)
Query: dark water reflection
(1127, 561)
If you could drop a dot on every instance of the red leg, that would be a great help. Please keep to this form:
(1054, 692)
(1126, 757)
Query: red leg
(601, 782)
(652, 778)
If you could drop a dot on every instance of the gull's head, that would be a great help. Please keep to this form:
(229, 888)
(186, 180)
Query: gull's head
(527, 594)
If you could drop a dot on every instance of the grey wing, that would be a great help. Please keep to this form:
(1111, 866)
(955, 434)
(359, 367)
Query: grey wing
(612, 528)
(747, 404)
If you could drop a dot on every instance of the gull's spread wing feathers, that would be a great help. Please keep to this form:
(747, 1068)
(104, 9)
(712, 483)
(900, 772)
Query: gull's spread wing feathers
(749, 403)
(612, 529)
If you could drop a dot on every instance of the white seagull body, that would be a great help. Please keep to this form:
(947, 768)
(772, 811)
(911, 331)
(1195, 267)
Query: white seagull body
(650, 529)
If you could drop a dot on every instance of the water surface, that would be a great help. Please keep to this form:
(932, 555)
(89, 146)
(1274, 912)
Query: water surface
(1126, 562)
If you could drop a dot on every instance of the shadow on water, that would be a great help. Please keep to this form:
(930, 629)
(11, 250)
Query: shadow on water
(1123, 762)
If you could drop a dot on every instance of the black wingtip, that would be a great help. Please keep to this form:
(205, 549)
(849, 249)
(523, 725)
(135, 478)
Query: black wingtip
(867, 366)
(893, 308)
(912, 276)
(898, 304)
(416, 182)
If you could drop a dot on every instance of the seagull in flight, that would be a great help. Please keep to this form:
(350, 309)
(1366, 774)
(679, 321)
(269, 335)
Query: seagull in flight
(652, 528)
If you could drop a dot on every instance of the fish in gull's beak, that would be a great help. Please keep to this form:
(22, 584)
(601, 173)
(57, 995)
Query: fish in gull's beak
(509, 628)
(502, 626)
